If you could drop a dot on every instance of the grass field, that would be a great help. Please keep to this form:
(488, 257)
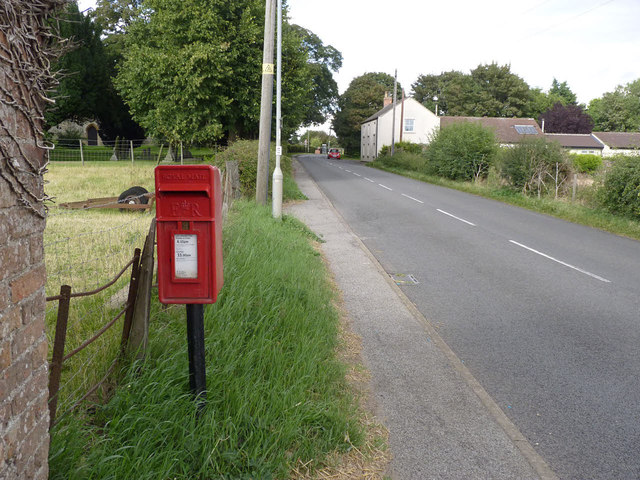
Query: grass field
(85, 249)
(277, 394)
(278, 402)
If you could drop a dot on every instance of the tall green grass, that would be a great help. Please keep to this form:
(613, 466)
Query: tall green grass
(276, 393)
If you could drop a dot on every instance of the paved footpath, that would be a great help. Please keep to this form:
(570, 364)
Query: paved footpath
(442, 424)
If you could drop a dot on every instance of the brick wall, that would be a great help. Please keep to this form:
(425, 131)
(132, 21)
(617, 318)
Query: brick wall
(24, 416)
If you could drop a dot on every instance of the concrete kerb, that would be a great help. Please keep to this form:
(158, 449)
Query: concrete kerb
(537, 463)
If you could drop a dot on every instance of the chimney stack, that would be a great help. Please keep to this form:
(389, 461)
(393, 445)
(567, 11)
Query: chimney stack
(388, 99)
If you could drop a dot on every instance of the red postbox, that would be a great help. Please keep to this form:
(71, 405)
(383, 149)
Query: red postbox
(189, 225)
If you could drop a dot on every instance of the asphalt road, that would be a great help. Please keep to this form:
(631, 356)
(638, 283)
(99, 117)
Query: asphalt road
(544, 313)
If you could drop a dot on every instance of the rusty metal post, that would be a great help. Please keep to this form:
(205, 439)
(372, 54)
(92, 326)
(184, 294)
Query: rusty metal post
(131, 299)
(58, 351)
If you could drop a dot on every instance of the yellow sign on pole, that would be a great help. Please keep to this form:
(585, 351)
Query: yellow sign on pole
(267, 69)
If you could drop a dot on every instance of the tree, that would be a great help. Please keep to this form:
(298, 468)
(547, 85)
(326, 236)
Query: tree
(83, 69)
(86, 90)
(317, 138)
(426, 87)
(322, 61)
(363, 98)
(500, 93)
(489, 90)
(566, 119)
(617, 111)
(563, 91)
(192, 69)
(462, 151)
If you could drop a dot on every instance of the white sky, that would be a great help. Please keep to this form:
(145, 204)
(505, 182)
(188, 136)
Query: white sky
(594, 45)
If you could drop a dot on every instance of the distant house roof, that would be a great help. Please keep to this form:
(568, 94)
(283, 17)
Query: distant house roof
(381, 112)
(389, 107)
(619, 139)
(575, 140)
(507, 130)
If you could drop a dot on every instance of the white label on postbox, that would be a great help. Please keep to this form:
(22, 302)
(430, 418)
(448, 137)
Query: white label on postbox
(186, 248)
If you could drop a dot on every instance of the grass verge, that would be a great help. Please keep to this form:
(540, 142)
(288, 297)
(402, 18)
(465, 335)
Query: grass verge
(573, 212)
(277, 394)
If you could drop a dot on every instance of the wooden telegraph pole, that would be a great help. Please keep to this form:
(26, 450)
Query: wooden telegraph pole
(264, 139)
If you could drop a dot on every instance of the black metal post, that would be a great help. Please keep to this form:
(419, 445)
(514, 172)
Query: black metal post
(195, 344)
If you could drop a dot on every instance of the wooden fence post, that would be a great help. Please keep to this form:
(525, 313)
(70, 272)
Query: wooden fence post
(81, 153)
(160, 154)
(133, 290)
(140, 322)
(231, 188)
(58, 351)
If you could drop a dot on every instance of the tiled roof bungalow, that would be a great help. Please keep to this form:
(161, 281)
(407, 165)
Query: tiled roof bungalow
(577, 142)
(619, 143)
(508, 131)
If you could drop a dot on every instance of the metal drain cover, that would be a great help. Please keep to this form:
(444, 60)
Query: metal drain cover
(404, 279)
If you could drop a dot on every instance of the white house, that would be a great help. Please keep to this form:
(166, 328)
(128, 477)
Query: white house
(619, 143)
(414, 123)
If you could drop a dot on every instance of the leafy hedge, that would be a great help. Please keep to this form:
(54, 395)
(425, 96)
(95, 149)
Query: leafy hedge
(535, 166)
(620, 192)
(462, 151)
(586, 163)
(402, 147)
(245, 152)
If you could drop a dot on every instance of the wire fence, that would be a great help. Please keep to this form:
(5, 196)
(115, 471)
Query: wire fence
(86, 247)
(85, 262)
(129, 150)
(81, 390)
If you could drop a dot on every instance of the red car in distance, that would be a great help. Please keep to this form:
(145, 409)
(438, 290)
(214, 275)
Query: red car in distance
(334, 153)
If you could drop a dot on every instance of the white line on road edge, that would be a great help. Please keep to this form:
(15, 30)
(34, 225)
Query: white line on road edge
(384, 186)
(369, 180)
(357, 174)
(414, 199)
(561, 262)
(457, 218)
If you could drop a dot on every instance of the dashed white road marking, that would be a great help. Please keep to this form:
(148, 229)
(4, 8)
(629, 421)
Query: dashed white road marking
(414, 199)
(348, 170)
(384, 186)
(357, 174)
(457, 218)
(369, 180)
(593, 275)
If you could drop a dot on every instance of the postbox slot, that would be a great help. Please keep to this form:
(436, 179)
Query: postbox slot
(184, 187)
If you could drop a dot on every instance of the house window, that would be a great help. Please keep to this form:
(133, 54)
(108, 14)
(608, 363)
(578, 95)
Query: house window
(409, 125)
